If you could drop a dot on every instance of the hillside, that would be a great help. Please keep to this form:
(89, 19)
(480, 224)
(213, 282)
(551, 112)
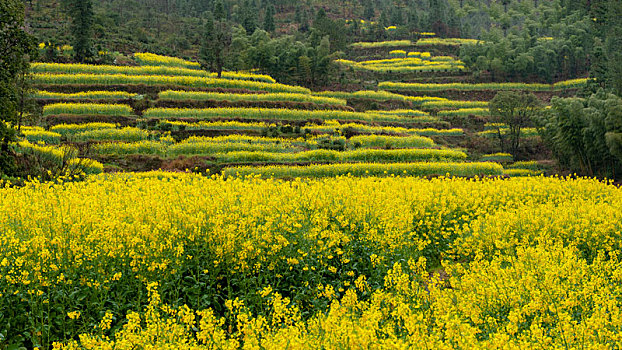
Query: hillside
(166, 113)
(277, 174)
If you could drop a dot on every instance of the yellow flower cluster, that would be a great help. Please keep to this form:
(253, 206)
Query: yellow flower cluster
(571, 84)
(76, 68)
(269, 114)
(454, 104)
(397, 53)
(170, 95)
(378, 95)
(151, 59)
(447, 42)
(433, 168)
(85, 95)
(382, 44)
(176, 260)
(328, 127)
(38, 134)
(482, 86)
(158, 80)
(127, 134)
(72, 129)
(405, 65)
(88, 109)
(465, 112)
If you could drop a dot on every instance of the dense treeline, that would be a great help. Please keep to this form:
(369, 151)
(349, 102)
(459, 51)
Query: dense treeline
(173, 26)
(585, 134)
(541, 40)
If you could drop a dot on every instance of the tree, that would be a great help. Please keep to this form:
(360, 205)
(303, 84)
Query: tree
(334, 29)
(369, 12)
(585, 135)
(216, 44)
(268, 23)
(81, 13)
(16, 47)
(516, 110)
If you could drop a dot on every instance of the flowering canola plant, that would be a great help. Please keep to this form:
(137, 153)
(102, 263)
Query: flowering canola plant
(172, 260)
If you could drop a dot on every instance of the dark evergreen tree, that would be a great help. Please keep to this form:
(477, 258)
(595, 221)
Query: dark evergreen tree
(268, 23)
(16, 49)
(81, 13)
(369, 13)
(216, 43)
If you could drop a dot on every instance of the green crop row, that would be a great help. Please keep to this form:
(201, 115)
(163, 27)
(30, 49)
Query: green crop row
(530, 165)
(161, 80)
(382, 44)
(38, 134)
(378, 96)
(151, 59)
(404, 65)
(238, 152)
(369, 169)
(362, 155)
(464, 112)
(384, 141)
(329, 126)
(72, 129)
(88, 109)
(402, 112)
(522, 172)
(525, 132)
(291, 145)
(128, 134)
(86, 95)
(483, 86)
(125, 148)
(446, 42)
(332, 126)
(75, 68)
(498, 157)
(265, 114)
(453, 104)
(170, 95)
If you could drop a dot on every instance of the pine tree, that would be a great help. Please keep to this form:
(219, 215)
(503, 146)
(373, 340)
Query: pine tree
(16, 48)
(268, 23)
(81, 13)
(216, 43)
(219, 11)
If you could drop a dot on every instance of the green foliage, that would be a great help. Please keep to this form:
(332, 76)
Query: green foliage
(584, 134)
(128, 134)
(170, 95)
(72, 129)
(423, 87)
(515, 110)
(268, 23)
(159, 80)
(216, 43)
(497, 157)
(52, 162)
(81, 13)
(38, 134)
(87, 109)
(607, 57)
(563, 55)
(267, 114)
(16, 48)
(366, 169)
(335, 156)
(390, 142)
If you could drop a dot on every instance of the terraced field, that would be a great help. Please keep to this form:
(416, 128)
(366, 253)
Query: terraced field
(166, 113)
(371, 218)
